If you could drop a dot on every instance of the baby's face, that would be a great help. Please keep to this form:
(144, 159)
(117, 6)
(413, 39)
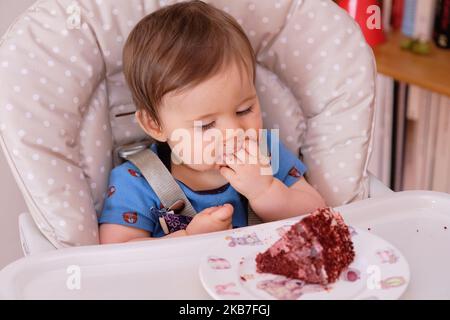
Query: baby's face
(211, 120)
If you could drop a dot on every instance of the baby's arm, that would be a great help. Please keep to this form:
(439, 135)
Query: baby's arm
(280, 202)
(116, 233)
(209, 220)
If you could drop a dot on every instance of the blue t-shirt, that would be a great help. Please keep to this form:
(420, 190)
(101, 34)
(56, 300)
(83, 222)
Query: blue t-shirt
(130, 200)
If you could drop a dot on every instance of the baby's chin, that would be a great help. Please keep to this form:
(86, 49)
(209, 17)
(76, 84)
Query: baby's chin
(206, 167)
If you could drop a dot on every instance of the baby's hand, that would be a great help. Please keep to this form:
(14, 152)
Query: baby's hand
(211, 219)
(248, 170)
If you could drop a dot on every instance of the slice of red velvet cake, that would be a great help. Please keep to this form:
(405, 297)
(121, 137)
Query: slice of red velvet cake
(316, 249)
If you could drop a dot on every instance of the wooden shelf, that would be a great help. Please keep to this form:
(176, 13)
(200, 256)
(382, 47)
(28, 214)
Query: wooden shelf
(431, 71)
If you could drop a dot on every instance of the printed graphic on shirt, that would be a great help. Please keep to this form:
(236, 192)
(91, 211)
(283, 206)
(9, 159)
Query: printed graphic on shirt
(170, 221)
(134, 173)
(130, 217)
(111, 191)
(294, 172)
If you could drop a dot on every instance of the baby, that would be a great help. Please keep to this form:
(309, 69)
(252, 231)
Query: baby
(191, 71)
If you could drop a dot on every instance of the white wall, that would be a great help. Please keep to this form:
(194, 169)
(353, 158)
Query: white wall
(11, 200)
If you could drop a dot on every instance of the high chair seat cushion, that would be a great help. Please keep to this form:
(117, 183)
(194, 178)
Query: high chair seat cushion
(280, 108)
(64, 104)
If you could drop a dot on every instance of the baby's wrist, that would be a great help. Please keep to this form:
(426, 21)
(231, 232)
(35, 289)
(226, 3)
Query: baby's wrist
(262, 193)
(178, 233)
(187, 232)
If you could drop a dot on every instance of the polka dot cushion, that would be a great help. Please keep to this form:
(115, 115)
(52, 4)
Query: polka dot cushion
(280, 109)
(64, 104)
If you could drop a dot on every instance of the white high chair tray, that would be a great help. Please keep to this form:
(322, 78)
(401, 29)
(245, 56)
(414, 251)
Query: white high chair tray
(415, 222)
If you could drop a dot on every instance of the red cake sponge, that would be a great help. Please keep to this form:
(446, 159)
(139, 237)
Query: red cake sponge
(316, 249)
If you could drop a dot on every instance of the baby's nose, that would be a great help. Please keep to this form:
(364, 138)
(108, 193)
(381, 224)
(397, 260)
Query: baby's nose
(233, 144)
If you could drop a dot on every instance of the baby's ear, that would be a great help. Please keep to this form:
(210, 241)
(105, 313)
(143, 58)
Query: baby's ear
(150, 126)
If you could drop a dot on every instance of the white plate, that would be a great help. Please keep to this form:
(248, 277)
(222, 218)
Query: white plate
(228, 270)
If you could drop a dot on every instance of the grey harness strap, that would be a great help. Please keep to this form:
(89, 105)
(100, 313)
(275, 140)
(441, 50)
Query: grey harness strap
(161, 180)
(165, 186)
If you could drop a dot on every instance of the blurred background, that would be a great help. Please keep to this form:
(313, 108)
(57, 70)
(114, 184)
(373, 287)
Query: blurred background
(411, 149)
(411, 43)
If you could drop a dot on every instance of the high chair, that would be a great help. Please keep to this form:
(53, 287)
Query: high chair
(66, 116)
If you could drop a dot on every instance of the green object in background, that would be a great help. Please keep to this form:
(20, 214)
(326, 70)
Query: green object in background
(421, 47)
(415, 46)
(406, 44)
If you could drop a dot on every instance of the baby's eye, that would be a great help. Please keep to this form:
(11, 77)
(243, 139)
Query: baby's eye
(246, 111)
(208, 126)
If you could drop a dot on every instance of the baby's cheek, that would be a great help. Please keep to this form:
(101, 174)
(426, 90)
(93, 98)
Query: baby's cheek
(212, 150)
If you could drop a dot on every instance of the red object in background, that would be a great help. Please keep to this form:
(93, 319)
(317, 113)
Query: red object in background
(364, 14)
(397, 14)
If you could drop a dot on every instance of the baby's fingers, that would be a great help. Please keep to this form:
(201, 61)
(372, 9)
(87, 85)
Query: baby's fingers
(227, 173)
(208, 211)
(244, 157)
(252, 148)
(223, 213)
